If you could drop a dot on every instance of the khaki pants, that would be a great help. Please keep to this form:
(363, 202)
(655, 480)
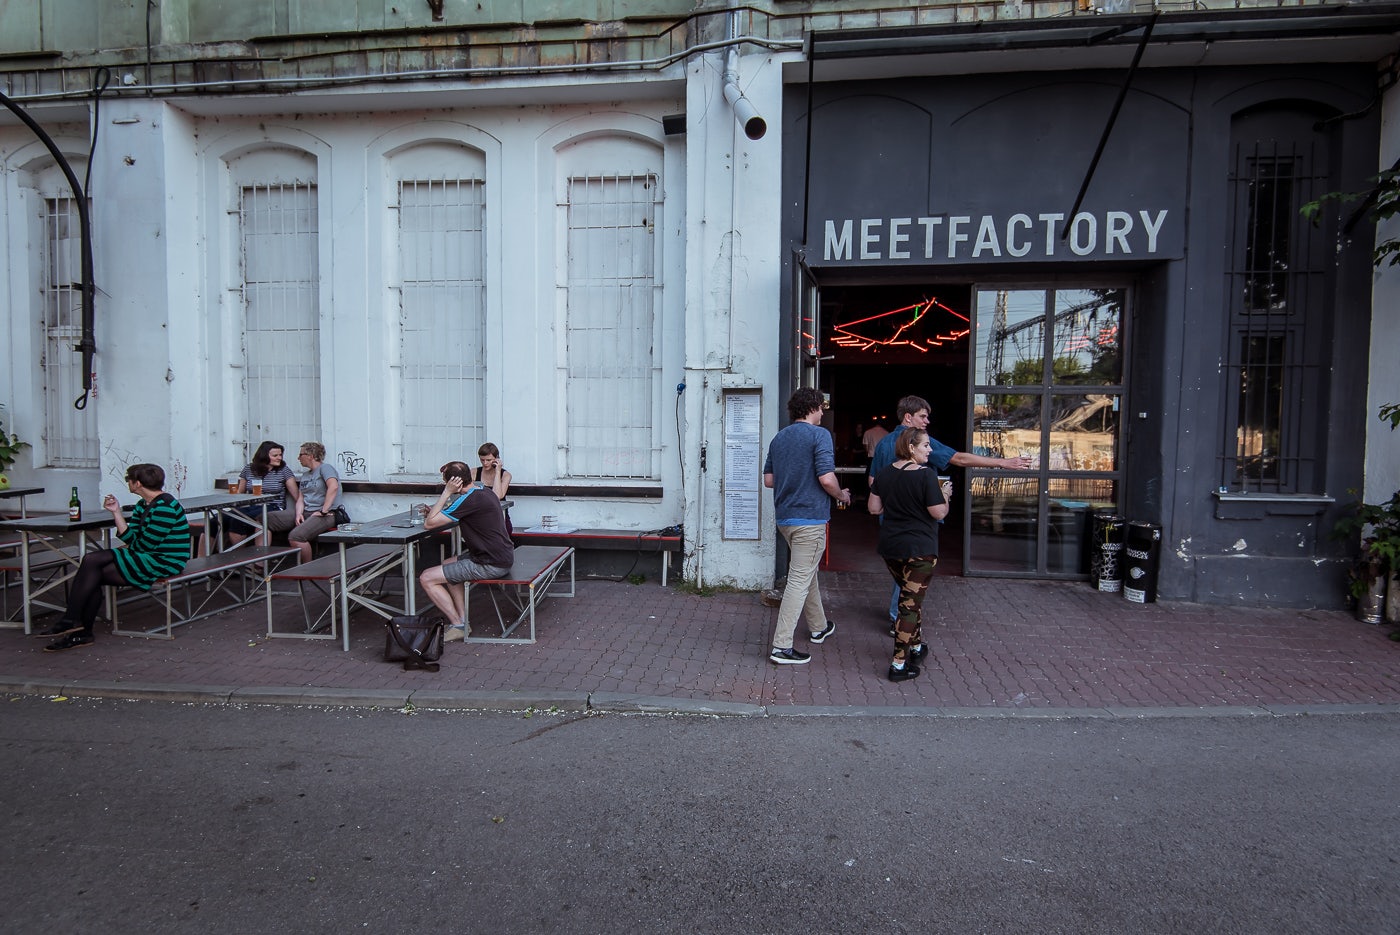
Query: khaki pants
(802, 596)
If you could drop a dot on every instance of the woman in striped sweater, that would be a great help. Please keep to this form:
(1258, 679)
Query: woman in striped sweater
(155, 545)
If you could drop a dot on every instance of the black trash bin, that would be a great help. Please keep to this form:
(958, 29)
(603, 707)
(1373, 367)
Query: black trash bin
(1105, 548)
(1142, 558)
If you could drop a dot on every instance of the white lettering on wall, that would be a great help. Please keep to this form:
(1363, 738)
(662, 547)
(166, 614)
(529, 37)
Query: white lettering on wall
(1014, 245)
(929, 224)
(1116, 231)
(1152, 229)
(987, 237)
(1112, 233)
(898, 238)
(1049, 220)
(1084, 234)
(869, 236)
(838, 247)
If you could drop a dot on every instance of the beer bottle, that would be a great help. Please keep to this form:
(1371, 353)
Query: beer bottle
(75, 507)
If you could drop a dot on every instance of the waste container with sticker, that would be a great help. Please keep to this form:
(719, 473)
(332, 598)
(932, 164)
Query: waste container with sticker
(1106, 547)
(1142, 557)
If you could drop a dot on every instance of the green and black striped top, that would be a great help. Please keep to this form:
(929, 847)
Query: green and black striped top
(157, 541)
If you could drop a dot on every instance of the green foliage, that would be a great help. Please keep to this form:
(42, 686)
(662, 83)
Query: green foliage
(1382, 201)
(10, 446)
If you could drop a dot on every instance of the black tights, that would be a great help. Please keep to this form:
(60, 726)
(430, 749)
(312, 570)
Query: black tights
(98, 570)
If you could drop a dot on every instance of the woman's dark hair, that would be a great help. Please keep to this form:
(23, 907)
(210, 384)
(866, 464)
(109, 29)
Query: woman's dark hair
(150, 476)
(262, 458)
(803, 400)
(488, 449)
(907, 440)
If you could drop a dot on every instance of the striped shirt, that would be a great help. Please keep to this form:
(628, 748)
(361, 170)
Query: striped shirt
(274, 483)
(157, 542)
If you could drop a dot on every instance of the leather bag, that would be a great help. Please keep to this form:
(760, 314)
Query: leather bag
(416, 641)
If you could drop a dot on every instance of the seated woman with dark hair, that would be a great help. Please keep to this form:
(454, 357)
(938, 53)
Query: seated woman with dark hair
(269, 471)
(155, 545)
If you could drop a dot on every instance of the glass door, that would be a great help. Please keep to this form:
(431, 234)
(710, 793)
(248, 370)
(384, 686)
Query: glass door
(1047, 382)
(806, 328)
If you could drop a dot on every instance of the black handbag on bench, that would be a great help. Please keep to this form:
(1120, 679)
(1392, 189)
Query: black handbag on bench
(415, 641)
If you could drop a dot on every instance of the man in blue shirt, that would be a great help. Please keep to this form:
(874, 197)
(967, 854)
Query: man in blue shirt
(801, 470)
(913, 412)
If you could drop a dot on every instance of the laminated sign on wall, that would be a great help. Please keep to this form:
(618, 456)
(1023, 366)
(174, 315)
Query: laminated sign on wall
(742, 464)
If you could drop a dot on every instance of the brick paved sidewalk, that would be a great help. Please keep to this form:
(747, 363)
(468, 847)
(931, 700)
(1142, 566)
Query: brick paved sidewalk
(1000, 644)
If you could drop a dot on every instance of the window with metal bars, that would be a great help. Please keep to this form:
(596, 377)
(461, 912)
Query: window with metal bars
(611, 296)
(70, 435)
(1280, 322)
(442, 321)
(280, 270)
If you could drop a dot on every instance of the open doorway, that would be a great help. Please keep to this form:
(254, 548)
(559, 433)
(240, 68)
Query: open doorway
(879, 343)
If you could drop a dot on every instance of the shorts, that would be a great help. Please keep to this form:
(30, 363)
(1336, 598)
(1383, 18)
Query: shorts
(463, 569)
(311, 527)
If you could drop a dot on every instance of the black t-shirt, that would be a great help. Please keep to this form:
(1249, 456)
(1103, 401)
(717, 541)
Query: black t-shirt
(483, 526)
(906, 529)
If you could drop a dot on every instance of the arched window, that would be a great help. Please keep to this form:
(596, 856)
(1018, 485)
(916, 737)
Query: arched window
(279, 284)
(439, 202)
(610, 203)
(70, 435)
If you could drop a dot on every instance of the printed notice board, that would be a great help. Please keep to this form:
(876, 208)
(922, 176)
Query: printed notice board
(743, 463)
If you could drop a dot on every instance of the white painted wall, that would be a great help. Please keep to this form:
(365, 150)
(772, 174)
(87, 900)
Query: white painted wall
(732, 298)
(167, 265)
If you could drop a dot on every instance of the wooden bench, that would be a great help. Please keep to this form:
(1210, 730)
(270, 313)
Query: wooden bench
(230, 575)
(42, 569)
(522, 589)
(615, 540)
(362, 564)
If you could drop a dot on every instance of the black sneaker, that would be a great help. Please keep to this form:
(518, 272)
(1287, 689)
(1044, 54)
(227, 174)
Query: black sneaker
(62, 628)
(821, 637)
(788, 657)
(910, 671)
(71, 641)
(894, 626)
(917, 655)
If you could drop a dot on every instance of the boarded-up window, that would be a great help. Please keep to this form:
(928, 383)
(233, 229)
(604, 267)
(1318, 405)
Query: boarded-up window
(612, 294)
(70, 435)
(280, 267)
(442, 315)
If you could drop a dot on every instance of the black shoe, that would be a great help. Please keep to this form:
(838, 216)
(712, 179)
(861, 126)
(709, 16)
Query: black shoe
(788, 657)
(910, 671)
(917, 655)
(71, 641)
(894, 626)
(62, 628)
(821, 637)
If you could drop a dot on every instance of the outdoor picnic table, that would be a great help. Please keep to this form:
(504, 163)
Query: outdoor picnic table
(50, 535)
(20, 492)
(395, 529)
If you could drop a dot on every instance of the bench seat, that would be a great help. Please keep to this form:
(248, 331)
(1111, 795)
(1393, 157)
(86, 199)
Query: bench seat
(231, 575)
(615, 540)
(362, 562)
(521, 590)
(43, 567)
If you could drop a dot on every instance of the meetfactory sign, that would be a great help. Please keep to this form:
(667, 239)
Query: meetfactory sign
(1015, 236)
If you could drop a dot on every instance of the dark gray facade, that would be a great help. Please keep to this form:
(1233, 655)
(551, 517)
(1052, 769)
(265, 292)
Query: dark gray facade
(1245, 330)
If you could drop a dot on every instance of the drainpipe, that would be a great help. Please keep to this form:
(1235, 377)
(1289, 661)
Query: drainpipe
(747, 115)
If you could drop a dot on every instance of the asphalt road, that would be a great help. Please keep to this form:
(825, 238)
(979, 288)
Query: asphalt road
(154, 817)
